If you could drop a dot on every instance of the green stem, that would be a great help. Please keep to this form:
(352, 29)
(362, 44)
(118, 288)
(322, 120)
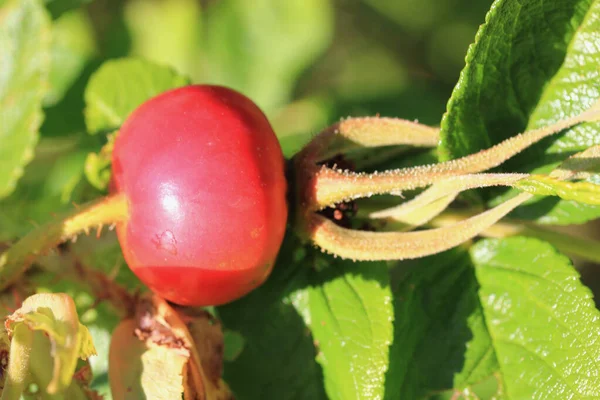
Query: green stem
(584, 248)
(18, 362)
(15, 260)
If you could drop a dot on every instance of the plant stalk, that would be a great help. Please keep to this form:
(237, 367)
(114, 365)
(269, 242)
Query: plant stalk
(584, 248)
(15, 261)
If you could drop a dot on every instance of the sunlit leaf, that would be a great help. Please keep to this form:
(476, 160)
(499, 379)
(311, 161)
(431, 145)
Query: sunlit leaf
(440, 337)
(97, 165)
(542, 321)
(40, 371)
(52, 181)
(533, 63)
(582, 192)
(25, 60)
(120, 86)
(270, 321)
(351, 317)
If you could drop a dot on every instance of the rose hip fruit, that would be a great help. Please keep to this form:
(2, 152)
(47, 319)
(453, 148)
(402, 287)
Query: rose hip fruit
(203, 175)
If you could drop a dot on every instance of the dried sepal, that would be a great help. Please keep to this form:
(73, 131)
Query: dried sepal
(162, 337)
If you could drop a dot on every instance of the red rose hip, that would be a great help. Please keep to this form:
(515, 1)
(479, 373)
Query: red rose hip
(203, 175)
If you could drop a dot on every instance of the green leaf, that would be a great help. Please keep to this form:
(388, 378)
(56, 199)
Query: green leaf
(554, 211)
(260, 47)
(531, 65)
(119, 86)
(543, 322)
(234, 344)
(63, 178)
(25, 59)
(277, 360)
(97, 165)
(582, 192)
(440, 338)
(73, 45)
(56, 316)
(41, 371)
(66, 118)
(351, 316)
(103, 254)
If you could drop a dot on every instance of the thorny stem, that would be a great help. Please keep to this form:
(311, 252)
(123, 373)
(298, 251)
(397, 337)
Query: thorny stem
(15, 260)
(329, 186)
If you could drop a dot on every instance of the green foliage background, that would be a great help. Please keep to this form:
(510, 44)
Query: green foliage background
(500, 319)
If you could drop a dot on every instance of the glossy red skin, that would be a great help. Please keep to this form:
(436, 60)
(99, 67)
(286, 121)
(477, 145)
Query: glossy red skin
(204, 177)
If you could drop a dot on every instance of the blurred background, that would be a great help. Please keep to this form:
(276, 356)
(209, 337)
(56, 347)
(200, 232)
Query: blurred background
(305, 62)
